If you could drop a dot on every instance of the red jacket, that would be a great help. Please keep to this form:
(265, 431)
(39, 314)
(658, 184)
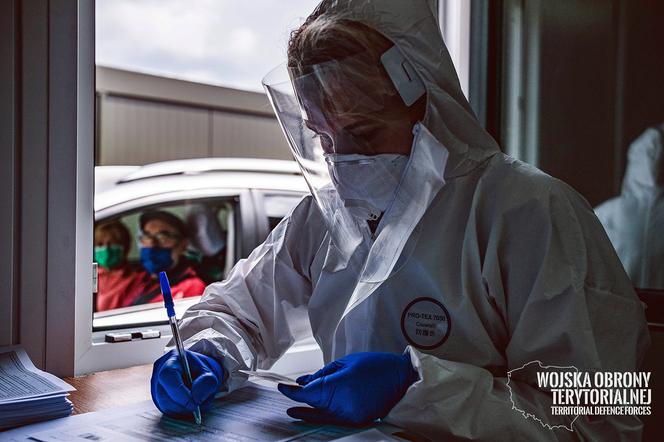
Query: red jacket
(124, 287)
(116, 285)
(184, 283)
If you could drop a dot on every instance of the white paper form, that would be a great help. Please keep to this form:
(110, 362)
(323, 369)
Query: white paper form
(269, 376)
(248, 415)
(371, 435)
(22, 381)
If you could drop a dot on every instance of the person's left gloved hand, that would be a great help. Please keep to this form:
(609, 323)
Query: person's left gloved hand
(354, 390)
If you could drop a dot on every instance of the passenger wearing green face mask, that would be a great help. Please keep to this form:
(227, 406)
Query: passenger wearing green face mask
(116, 279)
(110, 256)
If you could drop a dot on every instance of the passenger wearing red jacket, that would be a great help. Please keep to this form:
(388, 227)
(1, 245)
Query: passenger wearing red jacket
(117, 280)
(163, 240)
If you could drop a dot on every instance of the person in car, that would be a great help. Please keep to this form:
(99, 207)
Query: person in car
(164, 241)
(117, 280)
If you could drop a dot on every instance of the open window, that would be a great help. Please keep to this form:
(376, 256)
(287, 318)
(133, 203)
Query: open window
(207, 127)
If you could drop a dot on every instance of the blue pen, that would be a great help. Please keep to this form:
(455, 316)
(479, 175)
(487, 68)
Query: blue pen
(170, 310)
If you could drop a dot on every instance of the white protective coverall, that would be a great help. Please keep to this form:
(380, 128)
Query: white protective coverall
(634, 220)
(511, 261)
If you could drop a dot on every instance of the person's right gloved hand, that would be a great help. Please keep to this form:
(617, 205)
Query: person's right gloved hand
(168, 387)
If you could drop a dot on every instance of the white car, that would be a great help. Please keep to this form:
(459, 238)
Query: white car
(240, 200)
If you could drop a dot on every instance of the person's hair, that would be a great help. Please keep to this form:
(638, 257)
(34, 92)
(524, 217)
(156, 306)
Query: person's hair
(115, 227)
(325, 37)
(166, 217)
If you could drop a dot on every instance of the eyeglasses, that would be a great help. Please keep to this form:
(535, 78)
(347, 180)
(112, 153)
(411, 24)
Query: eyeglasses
(161, 239)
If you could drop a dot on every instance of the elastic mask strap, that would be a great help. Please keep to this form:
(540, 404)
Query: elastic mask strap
(402, 73)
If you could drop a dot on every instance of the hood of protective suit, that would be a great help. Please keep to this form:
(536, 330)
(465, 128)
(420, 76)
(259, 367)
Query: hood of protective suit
(413, 26)
(645, 164)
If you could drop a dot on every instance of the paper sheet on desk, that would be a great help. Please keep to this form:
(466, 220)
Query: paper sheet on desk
(28, 394)
(249, 414)
(269, 376)
(22, 381)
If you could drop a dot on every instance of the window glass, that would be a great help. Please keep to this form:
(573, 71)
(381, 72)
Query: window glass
(189, 240)
(278, 206)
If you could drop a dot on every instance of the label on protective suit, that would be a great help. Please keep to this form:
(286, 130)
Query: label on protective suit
(425, 323)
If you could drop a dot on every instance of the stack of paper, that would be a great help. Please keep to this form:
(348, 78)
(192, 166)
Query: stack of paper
(28, 394)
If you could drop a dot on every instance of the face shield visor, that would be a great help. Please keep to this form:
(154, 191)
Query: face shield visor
(345, 117)
(347, 123)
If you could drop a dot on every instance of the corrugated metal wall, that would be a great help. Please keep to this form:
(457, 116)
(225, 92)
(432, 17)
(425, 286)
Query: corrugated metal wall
(239, 135)
(136, 130)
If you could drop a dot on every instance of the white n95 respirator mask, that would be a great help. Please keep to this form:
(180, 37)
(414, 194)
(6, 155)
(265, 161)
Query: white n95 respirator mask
(366, 184)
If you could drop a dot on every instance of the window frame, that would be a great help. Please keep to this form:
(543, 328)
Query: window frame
(71, 322)
(454, 20)
(69, 167)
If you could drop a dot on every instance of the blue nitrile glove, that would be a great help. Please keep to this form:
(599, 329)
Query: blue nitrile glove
(169, 391)
(354, 390)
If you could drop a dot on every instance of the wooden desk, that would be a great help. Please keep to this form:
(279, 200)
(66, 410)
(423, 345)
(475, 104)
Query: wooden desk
(112, 388)
(125, 386)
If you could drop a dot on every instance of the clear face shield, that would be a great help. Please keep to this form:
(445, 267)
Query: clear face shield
(348, 125)
(349, 130)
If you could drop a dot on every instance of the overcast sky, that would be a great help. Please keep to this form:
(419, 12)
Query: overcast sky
(226, 42)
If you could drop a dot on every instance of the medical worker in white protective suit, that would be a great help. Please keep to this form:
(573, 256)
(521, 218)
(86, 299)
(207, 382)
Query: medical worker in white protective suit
(634, 220)
(426, 262)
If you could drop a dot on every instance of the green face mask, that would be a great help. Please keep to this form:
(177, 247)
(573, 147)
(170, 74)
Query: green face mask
(109, 256)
